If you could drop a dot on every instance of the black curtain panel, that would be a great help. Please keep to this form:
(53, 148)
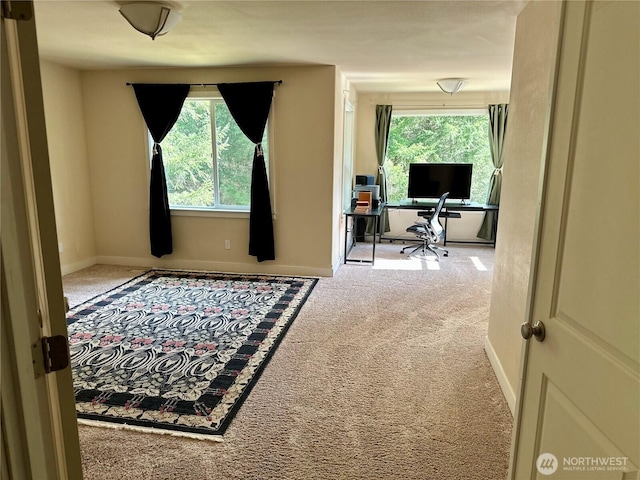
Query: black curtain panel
(249, 104)
(160, 106)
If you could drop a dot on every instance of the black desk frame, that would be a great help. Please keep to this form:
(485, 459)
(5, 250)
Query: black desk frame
(451, 209)
(351, 213)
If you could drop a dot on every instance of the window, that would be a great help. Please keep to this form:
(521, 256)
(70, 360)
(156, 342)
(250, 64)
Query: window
(207, 158)
(438, 138)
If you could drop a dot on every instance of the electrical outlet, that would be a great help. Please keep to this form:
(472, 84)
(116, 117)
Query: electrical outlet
(60, 249)
(227, 244)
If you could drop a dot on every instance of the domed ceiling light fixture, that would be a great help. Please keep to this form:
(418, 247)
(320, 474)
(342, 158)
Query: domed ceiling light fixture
(451, 85)
(151, 18)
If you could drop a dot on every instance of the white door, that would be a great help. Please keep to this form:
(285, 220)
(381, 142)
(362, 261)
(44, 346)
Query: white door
(39, 428)
(578, 415)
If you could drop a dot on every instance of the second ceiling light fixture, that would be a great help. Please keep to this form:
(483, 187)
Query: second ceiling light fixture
(451, 85)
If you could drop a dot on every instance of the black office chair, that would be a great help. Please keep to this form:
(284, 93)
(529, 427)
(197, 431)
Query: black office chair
(430, 232)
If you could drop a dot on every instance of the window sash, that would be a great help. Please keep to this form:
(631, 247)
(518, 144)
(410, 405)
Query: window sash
(214, 99)
(424, 112)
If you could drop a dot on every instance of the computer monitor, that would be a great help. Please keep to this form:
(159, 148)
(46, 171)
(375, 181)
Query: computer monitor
(431, 180)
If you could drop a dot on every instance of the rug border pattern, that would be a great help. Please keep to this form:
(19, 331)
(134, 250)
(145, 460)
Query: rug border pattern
(226, 409)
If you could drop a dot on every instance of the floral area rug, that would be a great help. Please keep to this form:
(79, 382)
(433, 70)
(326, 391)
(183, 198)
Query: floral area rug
(177, 350)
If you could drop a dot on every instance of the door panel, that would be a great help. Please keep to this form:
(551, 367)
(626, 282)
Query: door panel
(561, 417)
(581, 386)
(603, 204)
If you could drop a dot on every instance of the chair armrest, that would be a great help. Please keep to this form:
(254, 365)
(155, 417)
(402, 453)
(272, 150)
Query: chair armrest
(425, 213)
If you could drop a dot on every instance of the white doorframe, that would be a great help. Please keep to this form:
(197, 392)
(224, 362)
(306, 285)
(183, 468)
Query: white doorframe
(39, 428)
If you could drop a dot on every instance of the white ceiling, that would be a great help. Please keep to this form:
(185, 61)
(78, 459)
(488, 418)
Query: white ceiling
(381, 46)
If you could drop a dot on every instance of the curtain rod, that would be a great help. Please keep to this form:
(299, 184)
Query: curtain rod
(433, 105)
(279, 82)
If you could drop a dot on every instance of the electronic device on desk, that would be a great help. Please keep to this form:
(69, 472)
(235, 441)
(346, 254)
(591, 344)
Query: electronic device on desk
(431, 180)
(372, 190)
(365, 180)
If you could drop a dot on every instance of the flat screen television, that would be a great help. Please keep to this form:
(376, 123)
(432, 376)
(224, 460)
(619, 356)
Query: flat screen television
(431, 180)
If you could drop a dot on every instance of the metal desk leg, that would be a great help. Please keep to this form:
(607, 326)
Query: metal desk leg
(376, 221)
(495, 228)
(346, 236)
(446, 220)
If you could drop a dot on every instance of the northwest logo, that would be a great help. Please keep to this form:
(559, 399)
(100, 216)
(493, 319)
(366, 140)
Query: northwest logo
(547, 464)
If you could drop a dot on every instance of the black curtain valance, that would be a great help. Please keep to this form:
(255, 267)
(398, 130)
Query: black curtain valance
(160, 106)
(249, 104)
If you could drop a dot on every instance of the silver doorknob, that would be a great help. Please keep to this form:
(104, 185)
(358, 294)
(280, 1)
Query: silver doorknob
(537, 330)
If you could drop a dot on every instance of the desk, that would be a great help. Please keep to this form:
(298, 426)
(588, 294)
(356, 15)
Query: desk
(351, 213)
(451, 209)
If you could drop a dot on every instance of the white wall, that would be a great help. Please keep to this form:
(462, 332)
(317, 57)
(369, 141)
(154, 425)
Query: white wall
(70, 175)
(462, 229)
(533, 67)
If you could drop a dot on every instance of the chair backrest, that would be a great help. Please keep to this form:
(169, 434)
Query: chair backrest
(435, 227)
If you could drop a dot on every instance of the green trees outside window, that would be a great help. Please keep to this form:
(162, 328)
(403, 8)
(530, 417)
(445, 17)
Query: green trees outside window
(438, 139)
(208, 159)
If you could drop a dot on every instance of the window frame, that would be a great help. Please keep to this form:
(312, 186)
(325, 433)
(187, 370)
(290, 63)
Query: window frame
(440, 112)
(225, 211)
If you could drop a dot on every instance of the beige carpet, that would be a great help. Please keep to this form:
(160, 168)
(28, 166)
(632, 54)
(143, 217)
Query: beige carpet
(382, 375)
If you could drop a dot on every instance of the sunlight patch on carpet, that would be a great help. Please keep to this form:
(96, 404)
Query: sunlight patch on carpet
(432, 263)
(478, 264)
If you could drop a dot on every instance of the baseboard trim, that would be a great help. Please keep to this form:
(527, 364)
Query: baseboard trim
(76, 266)
(336, 265)
(206, 265)
(505, 386)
